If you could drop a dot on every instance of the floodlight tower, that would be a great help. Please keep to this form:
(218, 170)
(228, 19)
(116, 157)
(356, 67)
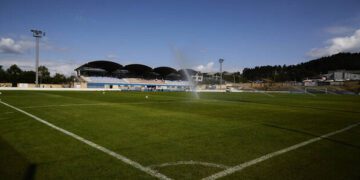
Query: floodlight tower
(221, 61)
(37, 34)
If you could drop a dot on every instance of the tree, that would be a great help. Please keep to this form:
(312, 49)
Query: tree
(310, 69)
(14, 73)
(44, 74)
(58, 79)
(14, 70)
(27, 77)
(3, 76)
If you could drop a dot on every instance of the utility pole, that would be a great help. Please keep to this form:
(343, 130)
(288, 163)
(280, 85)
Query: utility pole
(221, 61)
(37, 34)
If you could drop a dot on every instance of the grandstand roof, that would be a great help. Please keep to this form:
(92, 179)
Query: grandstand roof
(91, 69)
(108, 66)
(164, 71)
(173, 76)
(189, 71)
(113, 69)
(138, 69)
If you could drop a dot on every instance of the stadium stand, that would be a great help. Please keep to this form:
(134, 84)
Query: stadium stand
(144, 81)
(111, 75)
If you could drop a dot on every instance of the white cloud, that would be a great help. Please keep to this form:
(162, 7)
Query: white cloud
(62, 68)
(25, 44)
(209, 67)
(10, 46)
(337, 45)
(339, 30)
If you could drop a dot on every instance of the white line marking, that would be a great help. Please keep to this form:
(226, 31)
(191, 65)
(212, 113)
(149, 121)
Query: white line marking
(95, 104)
(7, 112)
(191, 162)
(124, 159)
(65, 105)
(273, 154)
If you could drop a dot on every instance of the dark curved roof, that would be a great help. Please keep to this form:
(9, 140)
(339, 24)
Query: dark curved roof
(173, 76)
(189, 71)
(138, 68)
(164, 71)
(109, 66)
(185, 72)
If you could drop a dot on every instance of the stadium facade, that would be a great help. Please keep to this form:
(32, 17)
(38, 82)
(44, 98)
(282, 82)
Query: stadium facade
(111, 75)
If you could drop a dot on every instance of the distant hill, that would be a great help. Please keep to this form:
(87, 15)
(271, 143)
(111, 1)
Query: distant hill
(347, 61)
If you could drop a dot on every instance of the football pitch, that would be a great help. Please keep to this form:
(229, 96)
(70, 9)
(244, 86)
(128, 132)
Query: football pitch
(171, 135)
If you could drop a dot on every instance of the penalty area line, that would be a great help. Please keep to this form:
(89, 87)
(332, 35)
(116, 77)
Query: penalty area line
(120, 157)
(242, 166)
(191, 162)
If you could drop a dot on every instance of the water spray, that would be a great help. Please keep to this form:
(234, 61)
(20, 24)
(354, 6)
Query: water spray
(181, 60)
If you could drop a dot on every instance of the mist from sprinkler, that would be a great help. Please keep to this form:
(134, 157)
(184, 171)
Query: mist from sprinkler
(182, 61)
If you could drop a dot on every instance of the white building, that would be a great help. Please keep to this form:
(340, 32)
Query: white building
(198, 77)
(342, 75)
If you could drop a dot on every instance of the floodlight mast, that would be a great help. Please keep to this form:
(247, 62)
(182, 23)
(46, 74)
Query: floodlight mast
(221, 61)
(37, 34)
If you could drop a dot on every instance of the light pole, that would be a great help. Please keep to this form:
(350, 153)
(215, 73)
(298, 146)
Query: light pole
(221, 61)
(37, 34)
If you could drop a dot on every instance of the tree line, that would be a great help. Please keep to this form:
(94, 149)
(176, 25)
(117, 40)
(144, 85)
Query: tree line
(15, 74)
(277, 73)
(299, 72)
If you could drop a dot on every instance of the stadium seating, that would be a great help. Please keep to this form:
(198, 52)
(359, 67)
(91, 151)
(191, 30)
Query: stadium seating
(94, 79)
(144, 81)
(177, 83)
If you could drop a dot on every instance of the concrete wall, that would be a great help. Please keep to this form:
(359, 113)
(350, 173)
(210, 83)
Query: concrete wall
(31, 85)
(5, 84)
(80, 85)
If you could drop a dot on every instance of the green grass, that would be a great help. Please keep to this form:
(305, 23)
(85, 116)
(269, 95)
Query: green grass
(220, 128)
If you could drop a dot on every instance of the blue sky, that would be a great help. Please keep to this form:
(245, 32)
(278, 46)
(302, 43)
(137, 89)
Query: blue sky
(244, 33)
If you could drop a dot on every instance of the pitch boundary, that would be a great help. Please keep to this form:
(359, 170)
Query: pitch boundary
(191, 162)
(120, 157)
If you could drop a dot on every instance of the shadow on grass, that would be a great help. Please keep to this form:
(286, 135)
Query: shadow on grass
(13, 165)
(301, 106)
(313, 135)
